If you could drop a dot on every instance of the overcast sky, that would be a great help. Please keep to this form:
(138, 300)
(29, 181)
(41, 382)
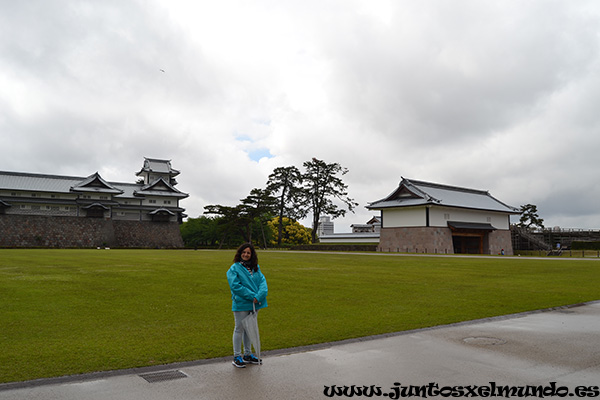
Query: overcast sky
(494, 95)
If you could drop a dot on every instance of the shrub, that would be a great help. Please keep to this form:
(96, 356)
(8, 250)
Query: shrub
(579, 245)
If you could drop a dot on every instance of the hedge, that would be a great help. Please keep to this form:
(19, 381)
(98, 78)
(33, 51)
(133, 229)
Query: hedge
(579, 245)
(337, 247)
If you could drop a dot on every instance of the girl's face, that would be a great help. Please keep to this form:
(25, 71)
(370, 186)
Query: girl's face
(246, 254)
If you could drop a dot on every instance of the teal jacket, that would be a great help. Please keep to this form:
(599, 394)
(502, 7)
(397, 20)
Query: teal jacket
(245, 287)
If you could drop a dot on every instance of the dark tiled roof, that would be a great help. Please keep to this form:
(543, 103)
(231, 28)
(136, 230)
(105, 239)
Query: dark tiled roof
(417, 193)
(20, 181)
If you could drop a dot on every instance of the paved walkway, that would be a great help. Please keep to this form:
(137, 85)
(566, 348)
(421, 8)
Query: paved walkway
(560, 345)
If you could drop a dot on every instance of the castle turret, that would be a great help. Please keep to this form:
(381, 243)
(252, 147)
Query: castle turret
(154, 169)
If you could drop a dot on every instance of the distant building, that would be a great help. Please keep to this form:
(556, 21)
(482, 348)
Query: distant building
(428, 217)
(325, 226)
(373, 225)
(40, 210)
(361, 233)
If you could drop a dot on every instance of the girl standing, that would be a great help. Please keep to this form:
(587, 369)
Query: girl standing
(248, 290)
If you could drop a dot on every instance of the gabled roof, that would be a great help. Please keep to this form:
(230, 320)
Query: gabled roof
(95, 183)
(374, 221)
(419, 193)
(159, 187)
(158, 166)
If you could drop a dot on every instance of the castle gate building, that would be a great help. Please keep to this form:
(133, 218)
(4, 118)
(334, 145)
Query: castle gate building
(428, 217)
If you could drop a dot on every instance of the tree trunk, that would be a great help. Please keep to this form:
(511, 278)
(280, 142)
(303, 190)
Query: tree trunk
(315, 227)
(280, 229)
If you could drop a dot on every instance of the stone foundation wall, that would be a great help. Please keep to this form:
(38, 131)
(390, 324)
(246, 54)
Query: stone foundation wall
(437, 240)
(69, 232)
(416, 240)
(147, 234)
(499, 240)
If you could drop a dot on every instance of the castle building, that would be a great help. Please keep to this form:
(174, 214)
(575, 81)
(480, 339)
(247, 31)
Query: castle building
(39, 210)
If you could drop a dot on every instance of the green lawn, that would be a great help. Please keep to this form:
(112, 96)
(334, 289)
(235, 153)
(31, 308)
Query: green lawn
(75, 311)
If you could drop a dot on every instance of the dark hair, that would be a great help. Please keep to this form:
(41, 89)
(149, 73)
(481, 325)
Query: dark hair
(253, 258)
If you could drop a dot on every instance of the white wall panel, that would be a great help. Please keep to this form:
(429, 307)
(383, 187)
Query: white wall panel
(439, 216)
(404, 217)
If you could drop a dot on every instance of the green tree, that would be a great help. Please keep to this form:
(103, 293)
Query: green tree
(259, 206)
(202, 231)
(252, 213)
(293, 232)
(232, 223)
(285, 183)
(530, 218)
(321, 184)
(195, 232)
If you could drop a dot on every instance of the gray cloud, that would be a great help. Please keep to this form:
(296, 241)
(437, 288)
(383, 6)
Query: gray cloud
(496, 95)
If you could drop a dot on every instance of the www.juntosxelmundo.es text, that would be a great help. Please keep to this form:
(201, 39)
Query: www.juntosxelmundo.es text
(433, 389)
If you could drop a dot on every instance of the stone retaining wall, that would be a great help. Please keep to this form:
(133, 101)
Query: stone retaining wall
(69, 232)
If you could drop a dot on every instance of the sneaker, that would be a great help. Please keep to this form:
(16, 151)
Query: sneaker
(238, 362)
(251, 359)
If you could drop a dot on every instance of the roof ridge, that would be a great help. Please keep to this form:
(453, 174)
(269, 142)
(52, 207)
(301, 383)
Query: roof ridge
(444, 186)
(156, 159)
(40, 175)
